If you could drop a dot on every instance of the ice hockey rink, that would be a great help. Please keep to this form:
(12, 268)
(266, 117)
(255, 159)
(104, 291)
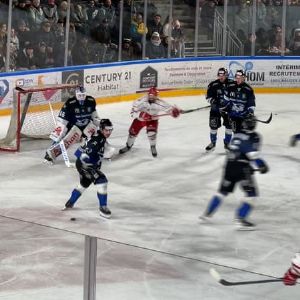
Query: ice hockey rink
(154, 246)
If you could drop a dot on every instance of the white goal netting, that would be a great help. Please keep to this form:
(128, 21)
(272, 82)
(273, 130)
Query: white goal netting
(33, 113)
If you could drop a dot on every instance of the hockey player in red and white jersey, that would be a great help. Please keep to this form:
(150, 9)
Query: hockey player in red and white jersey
(145, 113)
(293, 273)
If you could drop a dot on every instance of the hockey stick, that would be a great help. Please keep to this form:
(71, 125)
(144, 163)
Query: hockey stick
(185, 111)
(216, 275)
(61, 143)
(266, 121)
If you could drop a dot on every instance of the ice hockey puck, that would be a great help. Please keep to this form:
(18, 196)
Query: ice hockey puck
(72, 219)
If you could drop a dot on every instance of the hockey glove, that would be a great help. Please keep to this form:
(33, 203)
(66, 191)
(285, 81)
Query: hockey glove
(290, 278)
(175, 112)
(86, 162)
(211, 100)
(145, 116)
(262, 166)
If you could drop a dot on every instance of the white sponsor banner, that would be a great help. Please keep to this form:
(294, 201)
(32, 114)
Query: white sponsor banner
(29, 80)
(127, 78)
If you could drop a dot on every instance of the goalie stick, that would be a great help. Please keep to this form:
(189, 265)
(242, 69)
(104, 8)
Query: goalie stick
(61, 143)
(216, 275)
(185, 111)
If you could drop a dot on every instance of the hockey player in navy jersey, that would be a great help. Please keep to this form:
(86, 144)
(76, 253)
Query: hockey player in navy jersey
(293, 273)
(88, 165)
(240, 100)
(215, 96)
(294, 139)
(242, 160)
(77, 118)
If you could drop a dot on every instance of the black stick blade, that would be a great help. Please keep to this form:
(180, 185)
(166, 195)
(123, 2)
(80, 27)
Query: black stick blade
(267, 121)
(222, 281)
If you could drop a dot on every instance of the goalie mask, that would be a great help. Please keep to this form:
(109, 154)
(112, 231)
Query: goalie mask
(80, 93)
(249, 123)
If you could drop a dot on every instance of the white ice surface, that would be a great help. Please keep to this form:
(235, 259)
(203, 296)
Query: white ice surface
(155, 204)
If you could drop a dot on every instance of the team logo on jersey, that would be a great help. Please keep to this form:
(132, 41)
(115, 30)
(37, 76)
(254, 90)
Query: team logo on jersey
(77, 110)
(148, 78)
(4, 88)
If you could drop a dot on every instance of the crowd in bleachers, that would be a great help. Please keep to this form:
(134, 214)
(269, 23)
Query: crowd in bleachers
(38, 33)
(39, 30)
(267, 38)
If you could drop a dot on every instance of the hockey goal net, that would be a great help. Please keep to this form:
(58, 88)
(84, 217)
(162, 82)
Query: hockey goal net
(33, 112)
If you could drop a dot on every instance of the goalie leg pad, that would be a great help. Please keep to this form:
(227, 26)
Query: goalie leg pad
(71, 138)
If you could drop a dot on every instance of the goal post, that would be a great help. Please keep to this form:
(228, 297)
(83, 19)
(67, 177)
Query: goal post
(32, 113)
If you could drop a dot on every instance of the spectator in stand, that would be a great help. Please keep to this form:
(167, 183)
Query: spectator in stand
(155, 25)
(26, 58)
(104, 46)
(92, 13)
(127, 50)
(3, 36)
(261, 14)
(294, 44)
(46, 35)
(154, 48)
(41, 56)
(20, 12)
(207, 16)
(243, 16)
(178, 39)
(50, 11)
(36, 15)
(262, 41)
(249, 43)
(23, 33)
(79, 18)
(128, 12)
(167, 27)
(14, 49)
(62, 11)
(107, 11)
(137, 30)
(82, 53)
(274, 12)
(276, 46)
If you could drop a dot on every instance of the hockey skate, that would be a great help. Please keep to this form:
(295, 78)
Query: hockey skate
(104, 212)
(244, 225)
(153, 151)
(124, 149)
(48, 159)
(68, 205)
(204, 219)
(210, 147)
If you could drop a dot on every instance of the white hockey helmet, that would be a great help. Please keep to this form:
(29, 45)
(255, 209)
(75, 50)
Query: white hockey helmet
(80, 93)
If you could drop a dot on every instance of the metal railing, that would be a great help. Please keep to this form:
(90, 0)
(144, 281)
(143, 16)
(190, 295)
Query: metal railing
(231, 44)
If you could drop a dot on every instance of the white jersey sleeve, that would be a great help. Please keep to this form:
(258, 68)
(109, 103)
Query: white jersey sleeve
(142, 106)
